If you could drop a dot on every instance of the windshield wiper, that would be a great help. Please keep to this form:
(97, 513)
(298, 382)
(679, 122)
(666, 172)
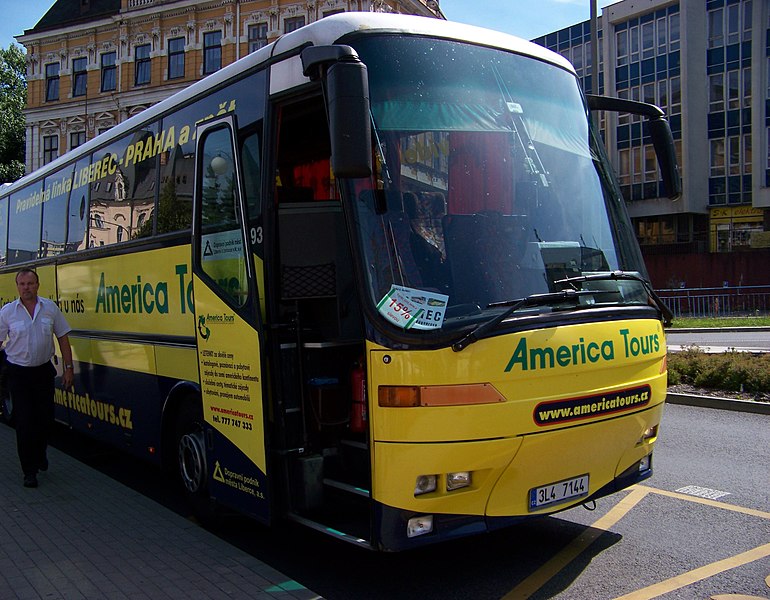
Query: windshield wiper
(629, 276)
(513, 306)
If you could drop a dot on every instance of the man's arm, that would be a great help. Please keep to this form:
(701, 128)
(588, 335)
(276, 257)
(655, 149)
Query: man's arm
(66, 354)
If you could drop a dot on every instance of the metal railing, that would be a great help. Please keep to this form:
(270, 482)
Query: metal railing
(718, 301)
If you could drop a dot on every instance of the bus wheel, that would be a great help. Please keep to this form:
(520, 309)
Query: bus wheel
(191, 451)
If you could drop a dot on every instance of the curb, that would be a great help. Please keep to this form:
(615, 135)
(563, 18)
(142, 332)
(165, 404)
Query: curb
(735, 328)
(749, 406)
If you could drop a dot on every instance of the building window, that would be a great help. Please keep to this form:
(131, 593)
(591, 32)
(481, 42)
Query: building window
(716, 92)
(648, 93)
(733, 31)
(621, 47)
(716, 28)
(747, 20)
(650, 164)
(176, 58)
(624, 118)
(50, 148)
(77, 138)
(577, 58)
(108, 71)
(142, 64)
(733, 90)
(734, 155)
(257, 36)
(633, 42)
(676, 95)
(624, 171)
(747, 87)
(747, 154)
(717, 157)
(329, 13)
(663, 94)
(648, 40)
(293, 23)
(79, 76)
(662, 36)
(212, 52)
(52, 82)
(673, 31)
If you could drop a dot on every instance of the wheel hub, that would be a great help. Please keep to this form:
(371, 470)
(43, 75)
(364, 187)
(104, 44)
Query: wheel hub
(192, 461)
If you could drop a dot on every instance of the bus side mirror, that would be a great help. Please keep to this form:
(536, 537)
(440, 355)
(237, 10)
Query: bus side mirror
(663, 142)
(346, 85)
(659, 131)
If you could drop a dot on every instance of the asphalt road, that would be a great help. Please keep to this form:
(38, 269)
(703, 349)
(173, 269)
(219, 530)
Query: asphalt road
(719, 340)
(700, 527)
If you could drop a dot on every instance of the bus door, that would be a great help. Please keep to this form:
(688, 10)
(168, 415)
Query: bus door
(228, 327)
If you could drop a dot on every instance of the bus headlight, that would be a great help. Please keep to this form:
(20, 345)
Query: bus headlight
(649, 434)
(425, 484)
(419, 526)
(645, 464)
(455, 481)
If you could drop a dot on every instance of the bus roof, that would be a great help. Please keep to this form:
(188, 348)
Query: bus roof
(323, 32)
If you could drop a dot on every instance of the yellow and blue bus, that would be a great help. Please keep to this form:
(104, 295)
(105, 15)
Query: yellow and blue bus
(376, 277)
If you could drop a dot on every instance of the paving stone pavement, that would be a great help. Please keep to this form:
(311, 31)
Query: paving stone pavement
(81, 535)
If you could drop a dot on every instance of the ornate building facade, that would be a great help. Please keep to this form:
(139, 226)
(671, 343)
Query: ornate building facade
(92, 64)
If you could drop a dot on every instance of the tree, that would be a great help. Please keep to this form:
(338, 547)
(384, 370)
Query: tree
(13, 98)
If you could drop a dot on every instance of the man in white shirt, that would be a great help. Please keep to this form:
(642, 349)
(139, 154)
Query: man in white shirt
(30, 323)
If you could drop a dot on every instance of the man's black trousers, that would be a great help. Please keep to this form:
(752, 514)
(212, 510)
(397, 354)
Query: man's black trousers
(31, 390)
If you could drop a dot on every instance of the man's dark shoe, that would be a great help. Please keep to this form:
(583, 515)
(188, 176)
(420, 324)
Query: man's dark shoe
(44, 464)
(30, 481)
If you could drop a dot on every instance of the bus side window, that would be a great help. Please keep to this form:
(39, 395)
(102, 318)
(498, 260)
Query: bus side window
(123, 187)
(252, 187)
(3, 231)
(56, 189)
(24, 224)
(79, 208)
(222, 256)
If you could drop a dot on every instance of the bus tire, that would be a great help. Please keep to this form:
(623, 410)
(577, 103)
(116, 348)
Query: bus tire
(192, 467)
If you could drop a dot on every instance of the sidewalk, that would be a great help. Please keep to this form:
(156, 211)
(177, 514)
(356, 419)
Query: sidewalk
(82, 535)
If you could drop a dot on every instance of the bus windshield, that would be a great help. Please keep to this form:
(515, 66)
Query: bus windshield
(489, 187)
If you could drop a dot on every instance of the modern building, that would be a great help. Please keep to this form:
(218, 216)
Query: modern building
(707, 64)
(92, 64)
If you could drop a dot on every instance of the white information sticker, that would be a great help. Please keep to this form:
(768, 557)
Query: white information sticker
(222, 245)
(413, 309)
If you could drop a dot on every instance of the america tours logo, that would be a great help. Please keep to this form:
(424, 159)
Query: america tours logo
(202, 329)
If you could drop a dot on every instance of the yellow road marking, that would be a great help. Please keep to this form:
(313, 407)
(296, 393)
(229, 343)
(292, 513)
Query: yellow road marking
(735, 597)
(685, 579)
(707, 502)
(576, 547)
(552, 568)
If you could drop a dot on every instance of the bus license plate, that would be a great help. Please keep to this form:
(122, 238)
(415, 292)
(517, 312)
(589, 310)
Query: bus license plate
(561, 491)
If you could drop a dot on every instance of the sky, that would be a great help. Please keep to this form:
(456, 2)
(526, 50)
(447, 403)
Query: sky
(525, 18)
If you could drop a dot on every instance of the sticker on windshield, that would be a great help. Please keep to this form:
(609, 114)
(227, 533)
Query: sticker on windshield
(413, 309)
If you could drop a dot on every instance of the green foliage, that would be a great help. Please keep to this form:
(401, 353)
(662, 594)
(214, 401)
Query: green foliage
(13, 98)
(728, 371)
(716, 322)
